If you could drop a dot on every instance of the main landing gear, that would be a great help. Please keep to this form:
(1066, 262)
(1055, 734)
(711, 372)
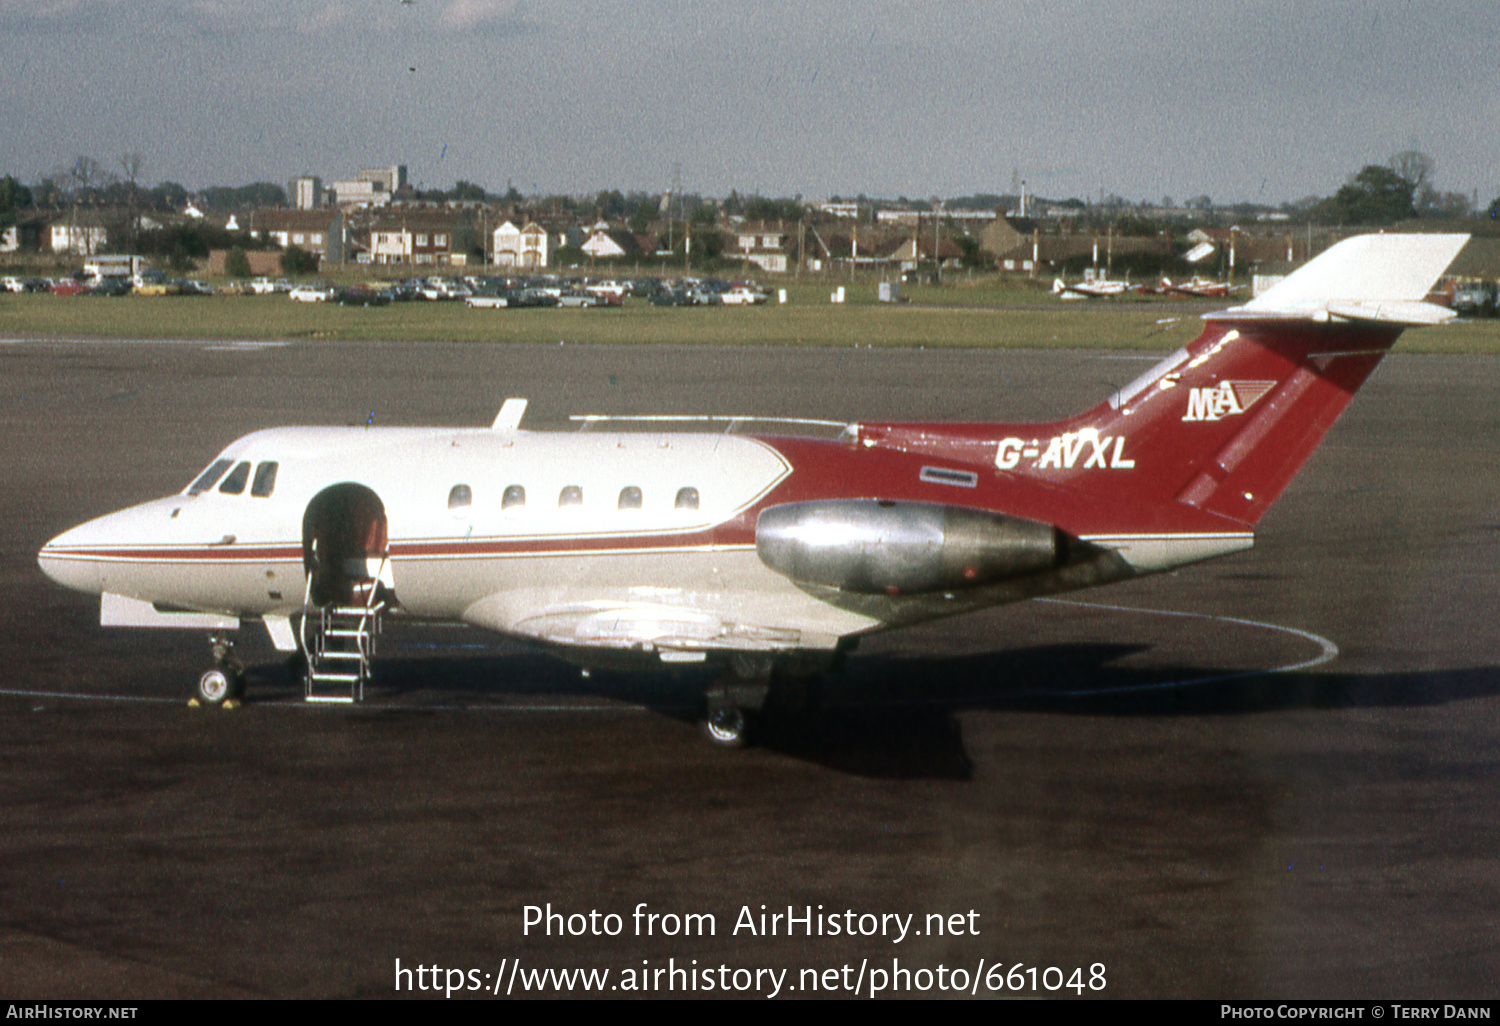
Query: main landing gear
(224, 685)
(753, 686)
(730, 708)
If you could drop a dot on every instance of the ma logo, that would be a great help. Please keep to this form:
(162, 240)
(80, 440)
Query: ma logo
(1227, 400)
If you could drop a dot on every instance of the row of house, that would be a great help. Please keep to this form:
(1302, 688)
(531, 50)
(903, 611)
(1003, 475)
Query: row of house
(417, 234)
(422, 235)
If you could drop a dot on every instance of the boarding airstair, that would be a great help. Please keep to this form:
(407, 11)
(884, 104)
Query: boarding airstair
(338, 641)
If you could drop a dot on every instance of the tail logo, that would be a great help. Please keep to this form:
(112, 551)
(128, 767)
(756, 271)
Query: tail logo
(1228, 399)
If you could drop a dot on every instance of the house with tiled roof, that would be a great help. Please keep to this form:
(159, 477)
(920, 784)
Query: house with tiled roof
(767, 246)
(414, 237)
(524, 248)
(320, 231)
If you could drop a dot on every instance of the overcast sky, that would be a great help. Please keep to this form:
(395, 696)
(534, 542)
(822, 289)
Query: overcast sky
(1260, 100)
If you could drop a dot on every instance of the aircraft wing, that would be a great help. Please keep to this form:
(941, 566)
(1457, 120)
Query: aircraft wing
(640, 626)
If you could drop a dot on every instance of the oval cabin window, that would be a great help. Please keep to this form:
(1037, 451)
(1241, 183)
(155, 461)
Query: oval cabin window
(687, 498)
(571, 496)
(630, 498)
(460, 496)
(514, 496)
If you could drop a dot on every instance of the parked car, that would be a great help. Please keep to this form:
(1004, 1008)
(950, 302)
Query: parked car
(612, 290)
(69, 287)
(362, 295)
(492, 301)
(192, 287)
(442, 289)
(672, 297)
(109, 287)
(269, 286)
(533, 298)
(743, 295)
(578, 300)
(1475, 299)
(314, 293)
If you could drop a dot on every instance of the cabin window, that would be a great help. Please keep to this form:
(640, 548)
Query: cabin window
(265, 480)
(212, 474)
(460, 496)
(687, 498)
(630, 497)
(235, 483)
(571, 496)
(515, 495)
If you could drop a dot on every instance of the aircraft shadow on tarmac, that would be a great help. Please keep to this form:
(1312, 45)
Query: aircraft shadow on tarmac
(898, 717)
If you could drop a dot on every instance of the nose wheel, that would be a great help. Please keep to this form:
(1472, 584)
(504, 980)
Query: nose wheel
(226, 681)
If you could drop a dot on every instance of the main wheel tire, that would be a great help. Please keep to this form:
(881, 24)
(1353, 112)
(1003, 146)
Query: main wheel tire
(726, 727)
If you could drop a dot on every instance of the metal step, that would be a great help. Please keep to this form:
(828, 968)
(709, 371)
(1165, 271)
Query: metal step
(338, 643)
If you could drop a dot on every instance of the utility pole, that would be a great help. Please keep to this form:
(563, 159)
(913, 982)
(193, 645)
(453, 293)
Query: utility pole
(672, 195)
(937, 247)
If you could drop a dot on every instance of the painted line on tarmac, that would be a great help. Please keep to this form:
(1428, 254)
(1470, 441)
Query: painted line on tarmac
(298, 703)
(96, 698)
(205, 343)
(1328, 652)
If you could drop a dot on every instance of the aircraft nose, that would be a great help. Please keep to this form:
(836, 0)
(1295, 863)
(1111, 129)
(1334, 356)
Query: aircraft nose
(64, 561)
(78, 557)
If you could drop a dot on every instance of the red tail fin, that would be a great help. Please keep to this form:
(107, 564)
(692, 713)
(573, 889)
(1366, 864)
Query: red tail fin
(1223, 425)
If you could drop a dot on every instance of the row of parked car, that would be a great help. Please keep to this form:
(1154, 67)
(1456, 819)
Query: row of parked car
(148, 284)
(494, 292)
(477, 291)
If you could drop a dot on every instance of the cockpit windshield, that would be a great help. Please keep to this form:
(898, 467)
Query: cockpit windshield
(210, 476)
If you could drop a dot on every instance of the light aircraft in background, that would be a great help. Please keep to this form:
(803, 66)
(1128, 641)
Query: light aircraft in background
(764, 554)
(1100, 288)
(1202, 288)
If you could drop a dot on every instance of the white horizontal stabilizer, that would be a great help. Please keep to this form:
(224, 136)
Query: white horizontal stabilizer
(1369, 277)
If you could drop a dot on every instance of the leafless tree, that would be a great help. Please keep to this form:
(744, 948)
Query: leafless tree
(84, 174)
(131, 165)
(1416, 169)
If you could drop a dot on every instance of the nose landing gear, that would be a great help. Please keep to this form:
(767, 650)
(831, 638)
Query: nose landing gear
(224, 685)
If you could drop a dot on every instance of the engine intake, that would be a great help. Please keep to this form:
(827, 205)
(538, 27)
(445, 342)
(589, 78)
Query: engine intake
(883, 547)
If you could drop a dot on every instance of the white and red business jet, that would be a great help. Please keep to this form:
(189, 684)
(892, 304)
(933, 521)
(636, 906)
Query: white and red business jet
(762, 552)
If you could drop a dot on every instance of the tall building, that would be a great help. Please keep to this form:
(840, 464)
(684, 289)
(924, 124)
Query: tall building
(306, 192)
(373, 187)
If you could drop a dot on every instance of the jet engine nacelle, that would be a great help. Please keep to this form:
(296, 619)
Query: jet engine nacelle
(882, 547)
